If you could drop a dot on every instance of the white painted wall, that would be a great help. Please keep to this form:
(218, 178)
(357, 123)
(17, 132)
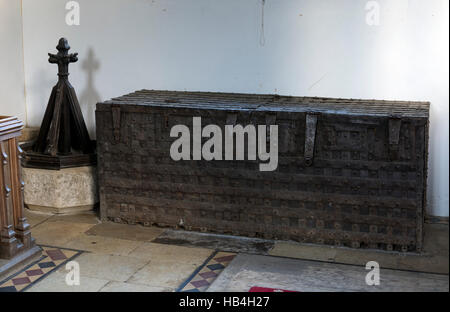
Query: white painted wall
(12, 89)
(312, 48)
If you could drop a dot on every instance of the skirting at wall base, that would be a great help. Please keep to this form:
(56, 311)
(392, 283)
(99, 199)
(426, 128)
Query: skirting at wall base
(436, 219)
(65, 191)
(64, 210)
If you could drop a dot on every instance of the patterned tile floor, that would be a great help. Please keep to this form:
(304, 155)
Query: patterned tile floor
(203, 277)
(52, 258)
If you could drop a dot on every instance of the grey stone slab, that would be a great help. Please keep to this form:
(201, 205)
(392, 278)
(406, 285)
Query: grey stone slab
(129, 287)
(107, 267)
(125, 231)
(213, 241)
(165, 274)
(89, 217)
(247, 271)
(102, 245)
(393, 260)
(436, 239)
(58, 233)
(434, 258)
(36, 218)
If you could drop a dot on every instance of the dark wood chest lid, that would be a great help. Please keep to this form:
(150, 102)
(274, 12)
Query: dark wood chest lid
(268, 102)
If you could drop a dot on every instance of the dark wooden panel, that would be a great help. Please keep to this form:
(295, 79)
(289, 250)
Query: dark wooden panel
(15, 235)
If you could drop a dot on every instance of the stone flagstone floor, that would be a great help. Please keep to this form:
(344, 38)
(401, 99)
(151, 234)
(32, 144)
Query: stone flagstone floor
(116, 257)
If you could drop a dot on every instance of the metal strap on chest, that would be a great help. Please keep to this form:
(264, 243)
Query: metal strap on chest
(395, 125)
(231, 119)
(270, 120)
(310, 138)
(116, 123)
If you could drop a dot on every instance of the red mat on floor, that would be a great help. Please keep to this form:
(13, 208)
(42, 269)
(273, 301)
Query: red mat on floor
(263, 289)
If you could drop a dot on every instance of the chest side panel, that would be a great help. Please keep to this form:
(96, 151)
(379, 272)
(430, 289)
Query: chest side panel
(360, 190)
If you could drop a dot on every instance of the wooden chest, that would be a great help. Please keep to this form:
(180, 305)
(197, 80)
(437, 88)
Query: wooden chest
(350, 172)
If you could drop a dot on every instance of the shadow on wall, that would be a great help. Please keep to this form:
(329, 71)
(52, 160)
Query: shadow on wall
(89, 96)
(42, 86)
